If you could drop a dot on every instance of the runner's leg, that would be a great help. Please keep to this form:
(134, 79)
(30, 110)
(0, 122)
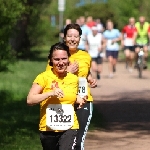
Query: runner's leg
(94, 68)
(49, 140)
(84, 115)
(137, 49)
(127, 55)
(99, 66)
(68, 140)
(145, 48)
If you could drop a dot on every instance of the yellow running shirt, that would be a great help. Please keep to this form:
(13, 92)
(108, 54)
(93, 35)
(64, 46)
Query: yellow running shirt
(84, 60)
(68, 84)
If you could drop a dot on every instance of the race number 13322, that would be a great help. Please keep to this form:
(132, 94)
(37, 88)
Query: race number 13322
(60, 116)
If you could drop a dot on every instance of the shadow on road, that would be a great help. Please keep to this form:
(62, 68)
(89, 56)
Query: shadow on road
(125, 111)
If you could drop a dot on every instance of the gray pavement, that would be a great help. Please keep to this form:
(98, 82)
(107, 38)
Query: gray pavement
(124, 103)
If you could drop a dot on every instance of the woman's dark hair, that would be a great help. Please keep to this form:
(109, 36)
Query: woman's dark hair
(72, 26)
(57, 46)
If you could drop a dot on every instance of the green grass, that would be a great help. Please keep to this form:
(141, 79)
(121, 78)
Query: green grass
(19, 122)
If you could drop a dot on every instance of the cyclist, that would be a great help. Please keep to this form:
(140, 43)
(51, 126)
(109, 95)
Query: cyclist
(142, 38)
(128, 41)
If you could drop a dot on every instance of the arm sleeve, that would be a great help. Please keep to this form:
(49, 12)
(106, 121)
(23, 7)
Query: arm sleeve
(40, 80)
(118, 33)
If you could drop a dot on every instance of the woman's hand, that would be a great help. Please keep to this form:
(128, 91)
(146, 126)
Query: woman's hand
(100, 49)
(58, 92)
(73, 67)
(91, 81)
(81, 101)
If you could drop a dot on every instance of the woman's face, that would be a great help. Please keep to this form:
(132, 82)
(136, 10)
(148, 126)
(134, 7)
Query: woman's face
(60, 61)
(72, 39)
(109, 25)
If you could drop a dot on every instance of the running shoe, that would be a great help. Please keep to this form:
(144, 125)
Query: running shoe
(111, 75)
(130, 70)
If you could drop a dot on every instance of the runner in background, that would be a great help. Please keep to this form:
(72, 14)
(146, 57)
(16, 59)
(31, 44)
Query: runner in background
(95, 49)
(90, 22)
(85, 31)
(142, 39)
(77, 21)
(99, 25)
(111, 37)
(61, 34)
(128, 42)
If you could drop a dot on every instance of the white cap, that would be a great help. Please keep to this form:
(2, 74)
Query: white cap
(94, 28)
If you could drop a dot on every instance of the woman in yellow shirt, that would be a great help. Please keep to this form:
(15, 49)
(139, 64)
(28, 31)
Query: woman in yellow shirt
(80, 64)
(56, 91)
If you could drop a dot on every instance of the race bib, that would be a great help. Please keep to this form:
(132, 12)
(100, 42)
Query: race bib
(60, 116)
(82, 87)
(128, 42)
(109, 42)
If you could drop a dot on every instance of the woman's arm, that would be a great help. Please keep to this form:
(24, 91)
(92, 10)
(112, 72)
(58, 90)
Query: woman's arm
(91, 81)
(117, 39)
(35, 96)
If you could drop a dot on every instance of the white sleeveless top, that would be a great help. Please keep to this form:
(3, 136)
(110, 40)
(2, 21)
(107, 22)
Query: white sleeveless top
(94, 43)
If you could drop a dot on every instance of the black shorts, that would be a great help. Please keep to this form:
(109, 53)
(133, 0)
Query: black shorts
(140, 46)
(114, 54)
(58, 140)
(131, 48)
(98, 60)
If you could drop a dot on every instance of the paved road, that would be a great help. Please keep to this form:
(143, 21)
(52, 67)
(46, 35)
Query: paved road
(124, 103)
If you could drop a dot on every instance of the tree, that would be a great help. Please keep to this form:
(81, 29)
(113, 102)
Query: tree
(123, 10)
(10, 12)
(31, 28)
(103, 11)
(21, 28)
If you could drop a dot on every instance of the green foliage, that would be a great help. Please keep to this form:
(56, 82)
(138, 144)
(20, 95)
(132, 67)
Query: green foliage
(21, 27)
(129, 8)
(38, 25)
(90, 9)
(10, 12)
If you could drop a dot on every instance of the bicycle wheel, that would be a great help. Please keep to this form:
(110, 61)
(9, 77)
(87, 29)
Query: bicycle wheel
(140, 66)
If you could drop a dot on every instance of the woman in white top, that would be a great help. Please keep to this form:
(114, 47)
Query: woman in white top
(94, 48)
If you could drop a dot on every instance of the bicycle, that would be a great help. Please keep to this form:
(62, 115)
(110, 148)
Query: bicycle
(140, 62)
